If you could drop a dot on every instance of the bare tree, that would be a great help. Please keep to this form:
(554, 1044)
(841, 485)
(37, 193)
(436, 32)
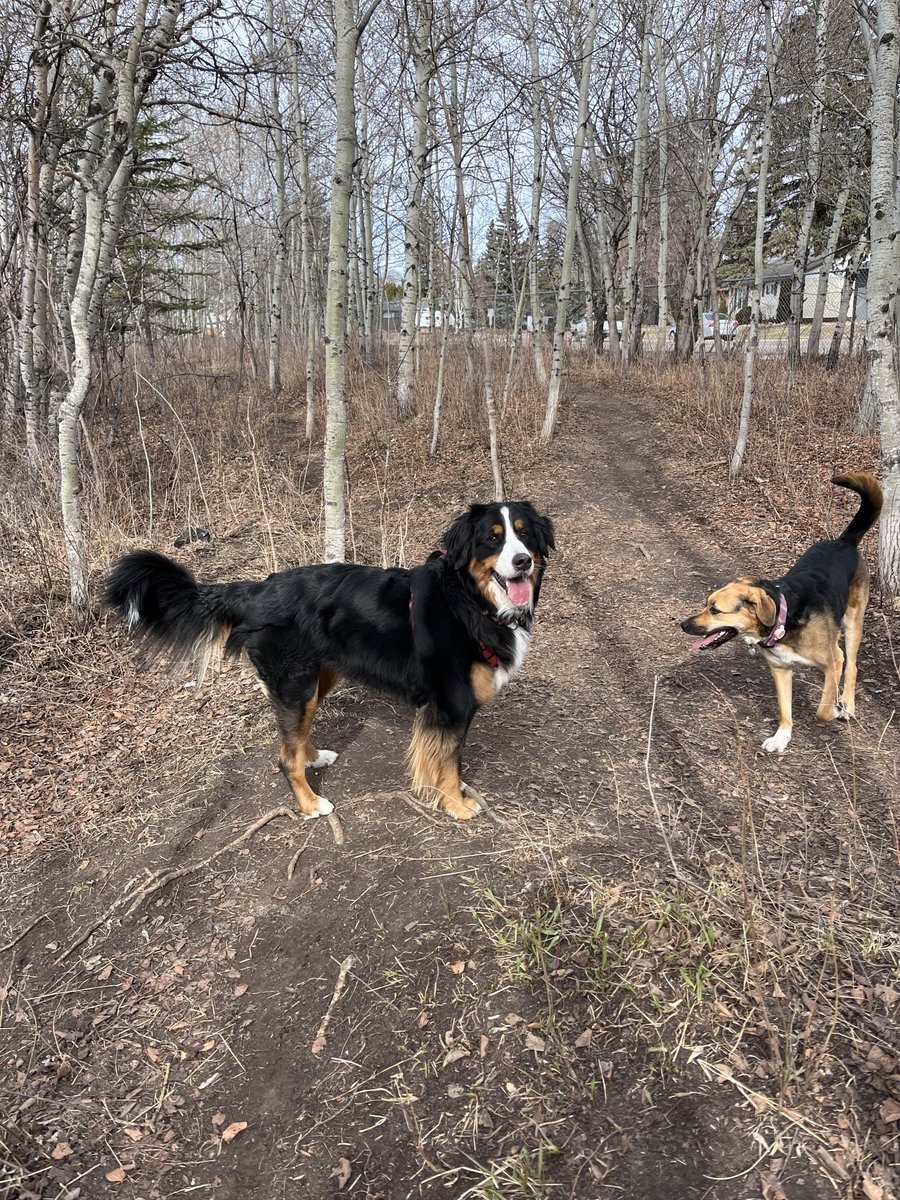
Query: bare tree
(565, 274)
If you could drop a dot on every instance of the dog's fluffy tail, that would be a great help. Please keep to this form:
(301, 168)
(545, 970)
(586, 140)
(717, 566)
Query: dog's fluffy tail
(168, 610)
(871, 498)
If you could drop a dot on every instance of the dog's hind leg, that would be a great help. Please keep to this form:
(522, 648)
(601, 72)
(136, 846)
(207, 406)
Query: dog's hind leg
(853, 630)
(294, 721)
(434, 758)
(317, 759)
(828, 706)
(784, 681)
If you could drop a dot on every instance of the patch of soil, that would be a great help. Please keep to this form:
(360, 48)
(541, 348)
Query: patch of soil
(665, 965)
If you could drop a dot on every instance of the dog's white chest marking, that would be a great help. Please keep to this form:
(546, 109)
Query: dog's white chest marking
(781, 656)
(502, 675)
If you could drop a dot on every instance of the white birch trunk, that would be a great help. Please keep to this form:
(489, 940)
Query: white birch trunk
(346, 39)
(631, 318)
(418, 166)
(740, 449)
(848, 291)
(813, 171)
(565, 276)
(662, 259)
(275, 305)
(881, 345)
(537, 184)
(834, 234)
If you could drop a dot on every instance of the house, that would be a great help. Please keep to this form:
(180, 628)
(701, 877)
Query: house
(775, 302)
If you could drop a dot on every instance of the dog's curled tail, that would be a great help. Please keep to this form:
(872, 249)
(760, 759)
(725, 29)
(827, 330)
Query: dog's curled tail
(169, 612)
(871, 498)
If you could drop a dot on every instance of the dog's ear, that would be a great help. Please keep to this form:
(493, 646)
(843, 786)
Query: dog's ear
(542, 527)
(763, 605)
(459, 540)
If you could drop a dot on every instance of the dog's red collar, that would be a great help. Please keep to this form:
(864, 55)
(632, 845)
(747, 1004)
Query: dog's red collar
(776, 633)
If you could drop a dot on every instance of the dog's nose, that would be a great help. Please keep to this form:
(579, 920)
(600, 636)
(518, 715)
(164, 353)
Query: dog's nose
(523, 563)
(686, 625)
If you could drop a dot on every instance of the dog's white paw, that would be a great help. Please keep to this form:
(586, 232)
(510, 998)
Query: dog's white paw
(777, 743)
(842, 712)
(323, 808)
(325, 759)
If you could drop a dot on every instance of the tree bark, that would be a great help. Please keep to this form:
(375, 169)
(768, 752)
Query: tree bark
(565, 276)
(633, 298)
(740, 449)
(418, 166)
(881, 344)
(834, 234)
(813, 172)
(346, 40)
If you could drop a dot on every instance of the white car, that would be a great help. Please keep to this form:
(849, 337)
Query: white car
(727, 329)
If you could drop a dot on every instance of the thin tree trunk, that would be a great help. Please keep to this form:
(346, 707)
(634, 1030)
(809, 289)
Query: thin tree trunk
(275, 305)
(537, 184)
(881, 345)
(848, 292)
(813, 172)
(662, 259)
(346, 38)
(631, 319)
(834, 234)
(565, 274)
(418, 166)
(740, 449)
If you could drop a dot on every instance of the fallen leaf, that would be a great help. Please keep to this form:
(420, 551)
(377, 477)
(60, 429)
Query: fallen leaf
(458, 967)
(483, 1044)
(134, 1134)
(153, 1054)
(116, 1176)
(209, 1045)
(873, 1190)
(236, 1127)
(533, 1042)
(890, 1111)
(241, 988)
(584, 1039)
(455, 1054)
(105, 973)
(61, 1150)
(423, 1019)
(219, 1119)
(342, 1173)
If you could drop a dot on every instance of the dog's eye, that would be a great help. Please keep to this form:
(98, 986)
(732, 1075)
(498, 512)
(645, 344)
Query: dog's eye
(713, 611)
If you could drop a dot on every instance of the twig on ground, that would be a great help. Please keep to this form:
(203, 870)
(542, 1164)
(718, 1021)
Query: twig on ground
(659, 820)
(320, 1041)
(159, 879)
(336, 828)
(292, 865)
(25, 932)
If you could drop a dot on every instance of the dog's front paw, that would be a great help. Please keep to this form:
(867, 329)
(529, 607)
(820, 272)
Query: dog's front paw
(464, 807)
(322, 809)
(777, 743)
(326, 759)
(842, 712)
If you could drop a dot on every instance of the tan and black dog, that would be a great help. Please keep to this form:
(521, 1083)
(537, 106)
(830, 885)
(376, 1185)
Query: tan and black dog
(797, 620)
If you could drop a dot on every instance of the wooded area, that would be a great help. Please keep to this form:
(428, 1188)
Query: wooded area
(488, 180)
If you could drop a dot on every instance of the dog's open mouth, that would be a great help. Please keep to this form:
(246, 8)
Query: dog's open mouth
(518, 588)
(719, 638)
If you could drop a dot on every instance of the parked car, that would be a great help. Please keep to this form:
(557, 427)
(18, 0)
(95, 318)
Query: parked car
(727, 328)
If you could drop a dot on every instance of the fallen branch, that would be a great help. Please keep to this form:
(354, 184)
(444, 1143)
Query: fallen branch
(319, 1044)
(25, 932)
(159, 879)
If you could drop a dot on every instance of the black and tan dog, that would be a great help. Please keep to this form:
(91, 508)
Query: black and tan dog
(445, 636)
(797, 620)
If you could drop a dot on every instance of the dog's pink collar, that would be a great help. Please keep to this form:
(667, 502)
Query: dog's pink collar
(776, 633)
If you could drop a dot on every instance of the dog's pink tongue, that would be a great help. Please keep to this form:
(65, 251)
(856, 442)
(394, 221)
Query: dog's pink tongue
(519, 591)
(704, 641)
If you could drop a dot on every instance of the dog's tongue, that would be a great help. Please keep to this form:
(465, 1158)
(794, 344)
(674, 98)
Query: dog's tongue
(702, 643)
(519, 591)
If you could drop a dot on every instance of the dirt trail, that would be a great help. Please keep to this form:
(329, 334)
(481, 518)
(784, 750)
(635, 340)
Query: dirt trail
(451, 1067)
